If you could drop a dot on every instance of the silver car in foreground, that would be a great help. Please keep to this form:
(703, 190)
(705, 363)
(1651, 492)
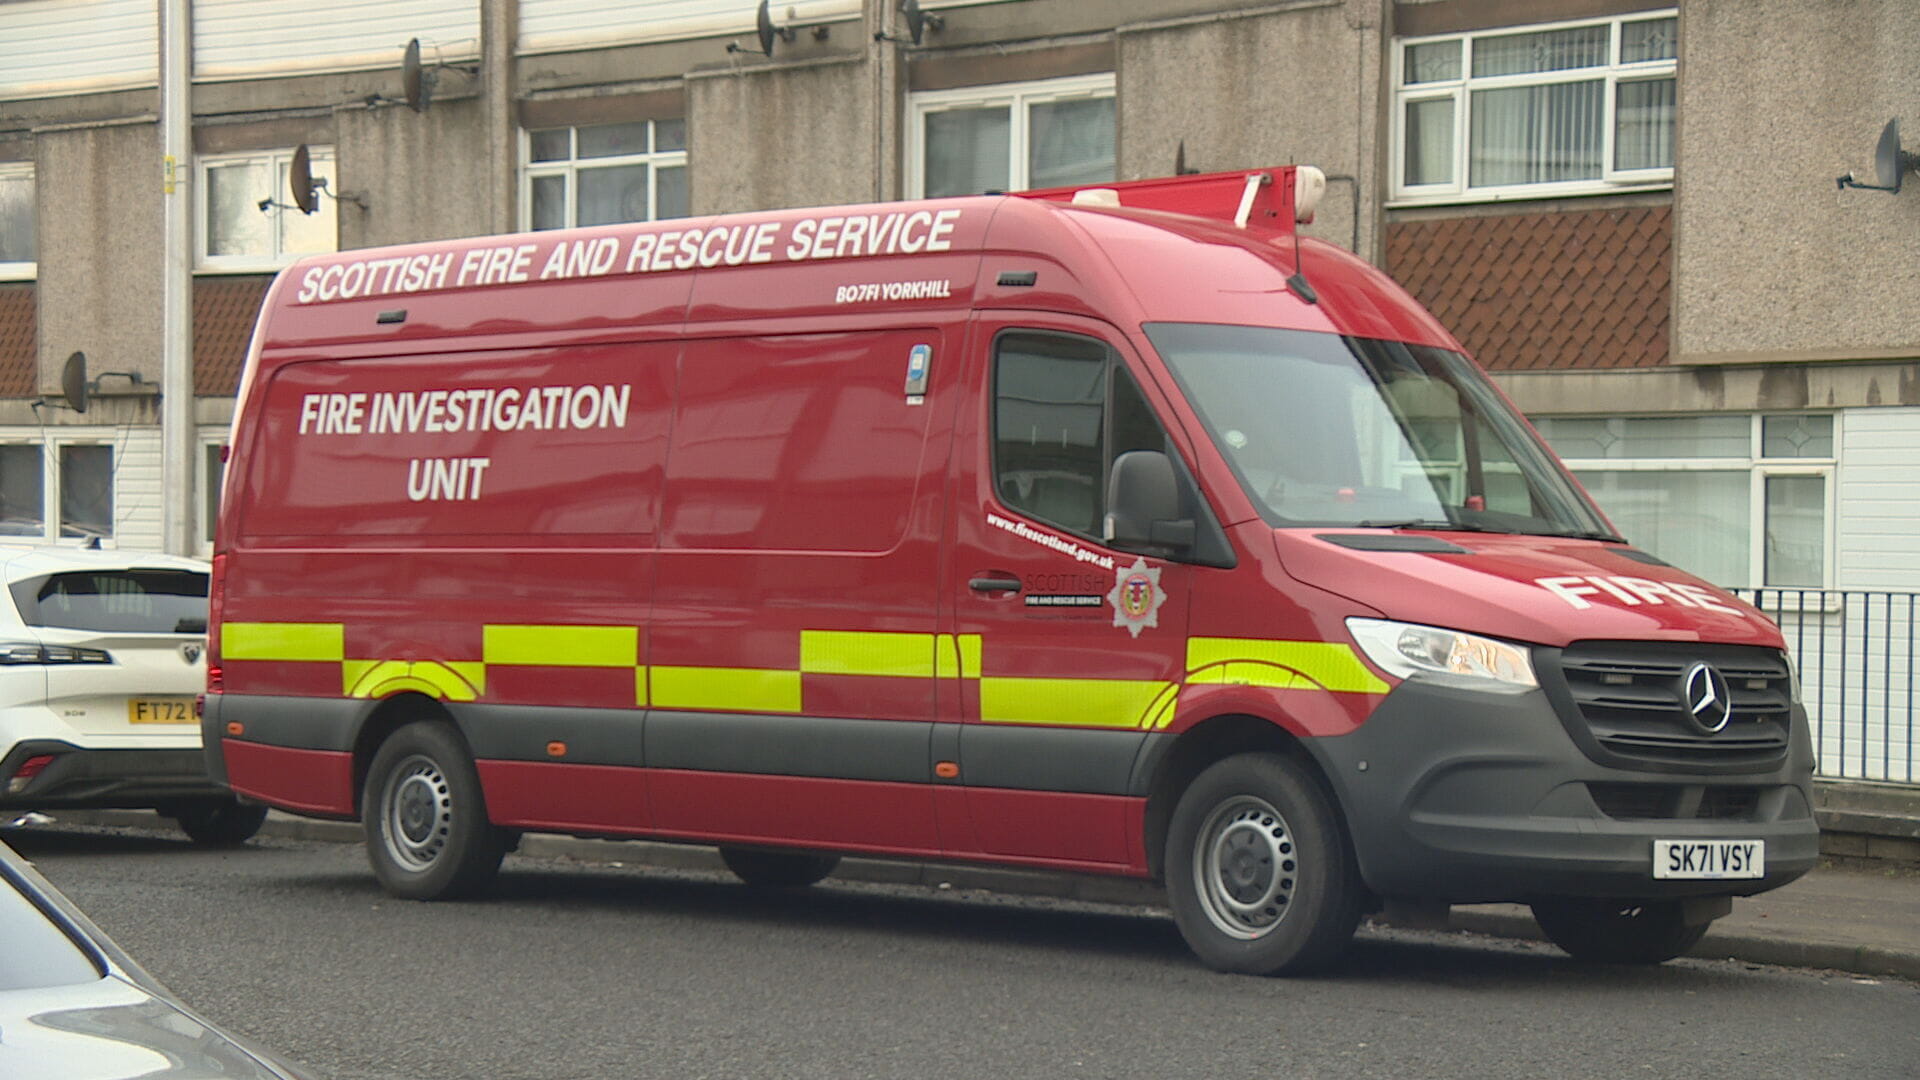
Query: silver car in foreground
(74, 1007)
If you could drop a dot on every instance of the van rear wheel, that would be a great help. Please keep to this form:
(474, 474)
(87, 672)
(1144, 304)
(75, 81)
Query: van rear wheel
(1618, 931)
(777, 869)
(221, 822)
(428, 836)
(1260, 876)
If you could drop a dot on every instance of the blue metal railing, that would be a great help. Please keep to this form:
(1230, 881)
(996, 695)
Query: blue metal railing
(1854, 650)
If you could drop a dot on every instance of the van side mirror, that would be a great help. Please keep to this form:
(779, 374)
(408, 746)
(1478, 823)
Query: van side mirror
(1143, 503)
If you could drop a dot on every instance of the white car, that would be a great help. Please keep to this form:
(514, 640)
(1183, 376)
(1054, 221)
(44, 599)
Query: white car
(101, 656)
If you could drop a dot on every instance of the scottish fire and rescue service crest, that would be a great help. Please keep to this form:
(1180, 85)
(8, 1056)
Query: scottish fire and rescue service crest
(1136, 596)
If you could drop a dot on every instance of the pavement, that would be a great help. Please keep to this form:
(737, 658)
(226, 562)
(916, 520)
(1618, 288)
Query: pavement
(1843, 916)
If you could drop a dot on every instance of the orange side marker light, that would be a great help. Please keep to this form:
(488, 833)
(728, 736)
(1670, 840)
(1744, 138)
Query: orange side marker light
(946, 770)
(556, 749)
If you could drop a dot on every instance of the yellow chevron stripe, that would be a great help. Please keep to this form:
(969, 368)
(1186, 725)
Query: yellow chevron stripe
(1285, 665)
(1107, 703)
(848, 652)
(283, 641)
(730, 689)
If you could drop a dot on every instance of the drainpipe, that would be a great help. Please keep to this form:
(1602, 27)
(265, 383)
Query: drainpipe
(177, 436)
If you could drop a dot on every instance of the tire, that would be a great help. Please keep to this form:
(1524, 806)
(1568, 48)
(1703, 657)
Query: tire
(428, 836)
(1617, 931)
(777, 869)
(219, 823)
(1260, 875)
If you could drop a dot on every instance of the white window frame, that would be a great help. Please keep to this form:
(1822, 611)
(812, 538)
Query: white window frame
(51, 516)
(206, 475)
(1758, 470)
(1460, 92)
(29, 269)
(278, 163)
(1019, 97)
(574, 165)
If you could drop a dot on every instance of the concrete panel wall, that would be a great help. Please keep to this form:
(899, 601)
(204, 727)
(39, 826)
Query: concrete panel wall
(1294, 85)
(424, 176)
(775, 137)
(1777, 98)
(100, 244)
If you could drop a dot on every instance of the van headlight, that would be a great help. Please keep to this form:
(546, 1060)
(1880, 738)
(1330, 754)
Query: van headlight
(1466, 660)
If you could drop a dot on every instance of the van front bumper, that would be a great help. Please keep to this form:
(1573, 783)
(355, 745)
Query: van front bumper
(1473, 797)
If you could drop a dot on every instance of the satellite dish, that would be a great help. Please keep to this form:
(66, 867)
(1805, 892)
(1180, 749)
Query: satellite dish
(300, 179)
(763, 21)
(1889, 161)
(415, 87)
(73, 382)
(917, 20)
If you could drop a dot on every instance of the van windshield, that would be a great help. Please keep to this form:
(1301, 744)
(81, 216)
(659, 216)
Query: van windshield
(1326, 430)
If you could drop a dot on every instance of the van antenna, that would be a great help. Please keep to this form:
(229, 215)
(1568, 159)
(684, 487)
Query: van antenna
(1297, 281)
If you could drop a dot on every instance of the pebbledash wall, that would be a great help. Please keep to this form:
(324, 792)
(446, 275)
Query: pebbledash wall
(1626, 209)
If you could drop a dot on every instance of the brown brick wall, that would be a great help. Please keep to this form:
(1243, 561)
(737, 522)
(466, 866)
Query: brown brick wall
(19, 336)
(223, 312)
(1587, 289)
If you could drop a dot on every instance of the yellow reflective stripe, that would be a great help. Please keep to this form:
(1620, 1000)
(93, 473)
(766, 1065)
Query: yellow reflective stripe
(561, 646)
(959, 656)
(848, 652)
(283, 641)
(1329, 665)
(1111, 703)
(457, 681)
(734, 689)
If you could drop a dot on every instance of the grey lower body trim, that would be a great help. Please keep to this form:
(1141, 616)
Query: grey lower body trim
(1019, 757)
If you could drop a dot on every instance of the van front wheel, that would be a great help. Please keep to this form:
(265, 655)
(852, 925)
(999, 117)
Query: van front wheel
(1259, 873)
(428, 836)
(1617, 931)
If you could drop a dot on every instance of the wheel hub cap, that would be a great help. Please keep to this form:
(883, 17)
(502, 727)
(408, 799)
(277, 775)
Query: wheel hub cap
(1245, 867)
(418, 813)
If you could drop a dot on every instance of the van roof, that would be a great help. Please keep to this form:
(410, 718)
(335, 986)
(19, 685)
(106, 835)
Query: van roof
(1126, 264)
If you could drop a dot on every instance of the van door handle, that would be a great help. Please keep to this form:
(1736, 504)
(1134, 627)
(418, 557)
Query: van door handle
(994, 584)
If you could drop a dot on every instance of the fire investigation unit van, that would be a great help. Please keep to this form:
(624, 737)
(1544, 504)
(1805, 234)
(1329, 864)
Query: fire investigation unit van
(1120, 531)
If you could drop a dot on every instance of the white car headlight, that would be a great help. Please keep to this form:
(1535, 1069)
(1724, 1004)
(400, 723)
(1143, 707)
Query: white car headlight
(1409, 651)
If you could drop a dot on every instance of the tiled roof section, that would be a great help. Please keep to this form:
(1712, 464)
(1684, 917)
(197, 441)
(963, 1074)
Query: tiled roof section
(223, 312)
(1590, 289)
(19, 341)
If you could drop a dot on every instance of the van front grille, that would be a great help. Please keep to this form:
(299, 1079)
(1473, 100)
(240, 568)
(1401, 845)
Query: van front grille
(1633, 699)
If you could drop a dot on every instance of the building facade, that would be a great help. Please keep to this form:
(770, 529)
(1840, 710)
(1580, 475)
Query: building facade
(1626, 209)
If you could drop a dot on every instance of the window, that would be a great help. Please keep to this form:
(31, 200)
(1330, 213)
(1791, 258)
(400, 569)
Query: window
(213, 474)
(140, 601)
(1563, 109)
(1739, 500)
(17, 243)
(83, 479)
(1059, 420)
(604, 174)
(247, 217)
(1012, 136)
(22, 484)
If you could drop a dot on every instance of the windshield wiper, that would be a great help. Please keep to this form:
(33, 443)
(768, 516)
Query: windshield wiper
(1434, 524)
(1588, 534)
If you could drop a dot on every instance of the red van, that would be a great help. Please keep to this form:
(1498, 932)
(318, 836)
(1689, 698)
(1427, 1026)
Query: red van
(1121, 531)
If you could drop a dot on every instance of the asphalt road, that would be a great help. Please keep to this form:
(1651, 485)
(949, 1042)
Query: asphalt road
(575, 971)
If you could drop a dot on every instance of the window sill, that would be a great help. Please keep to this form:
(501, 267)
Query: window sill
(1542, 194)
